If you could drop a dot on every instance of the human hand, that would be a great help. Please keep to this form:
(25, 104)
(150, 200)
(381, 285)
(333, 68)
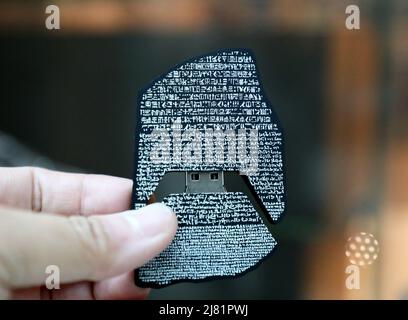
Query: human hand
(63, 219)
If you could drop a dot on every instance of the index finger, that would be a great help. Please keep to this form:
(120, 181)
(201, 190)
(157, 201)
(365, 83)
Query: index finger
(63, 193)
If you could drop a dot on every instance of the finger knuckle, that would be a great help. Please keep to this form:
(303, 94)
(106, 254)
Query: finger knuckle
(94, 242)
(10, 270)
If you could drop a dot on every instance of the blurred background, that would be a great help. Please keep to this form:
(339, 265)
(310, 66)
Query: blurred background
(68, 99)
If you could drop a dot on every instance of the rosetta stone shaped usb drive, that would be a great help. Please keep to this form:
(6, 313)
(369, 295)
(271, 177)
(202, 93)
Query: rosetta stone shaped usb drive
(204, 121)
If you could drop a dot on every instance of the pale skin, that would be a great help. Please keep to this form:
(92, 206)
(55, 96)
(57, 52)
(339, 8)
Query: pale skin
(79, 223)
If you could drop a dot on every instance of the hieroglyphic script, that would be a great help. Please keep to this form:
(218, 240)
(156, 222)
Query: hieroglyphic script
(210, 114)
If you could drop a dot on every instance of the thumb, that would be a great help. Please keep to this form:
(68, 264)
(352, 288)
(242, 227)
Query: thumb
(84, 248)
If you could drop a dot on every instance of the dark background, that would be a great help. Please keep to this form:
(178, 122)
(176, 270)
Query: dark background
(69, 96)
(74, 100)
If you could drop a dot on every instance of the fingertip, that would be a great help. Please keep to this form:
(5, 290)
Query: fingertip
(135, 237)
(161, 216)
(167, 215)
(120, 287)
(155, 207)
